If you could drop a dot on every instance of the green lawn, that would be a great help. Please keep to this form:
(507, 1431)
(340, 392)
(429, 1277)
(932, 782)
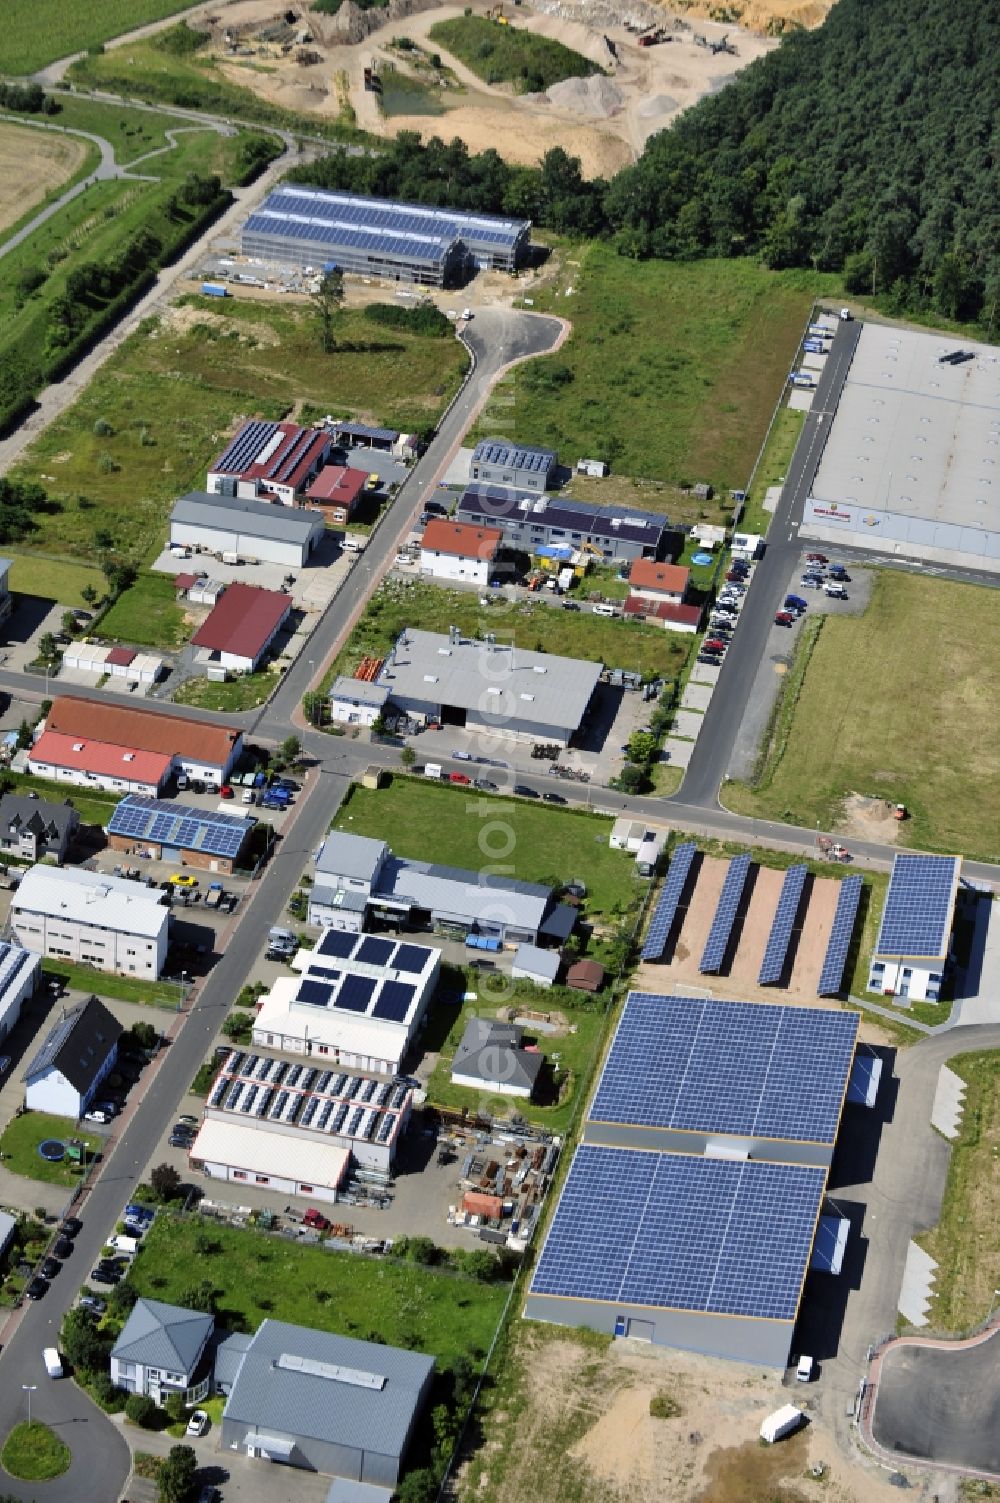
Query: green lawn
(95, 807)
(897, 703)
(174, 392)
(34, 1453)
(501, 54)
(53, 578)
(256, 1276)
(131, 132)
(19, 1146)
(122, 988)
(37, 32)
(147, 615)
(564, 1082)
(616, 642)
(672, 369)
(241, 693)
(531, 841)
(773, 468)
(966, 1241)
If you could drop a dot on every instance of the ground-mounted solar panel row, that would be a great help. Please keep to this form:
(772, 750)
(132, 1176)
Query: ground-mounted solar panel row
(780, 937)
(666, 908)
(725, 914)
(831, 976)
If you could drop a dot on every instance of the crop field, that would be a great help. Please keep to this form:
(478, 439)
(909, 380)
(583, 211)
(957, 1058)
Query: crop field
(617, 642)
(34, 165)
(175, 390)
(897, 704)
(37, 32)
(672, 370)
(255, 1277)
(510, 54)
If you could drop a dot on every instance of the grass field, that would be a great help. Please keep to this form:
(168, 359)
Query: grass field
(617, 642)
(19, 1146)
(897, 703)
(242, 693)
(533, 842)
(94, 806)
(577, 1053)
(53, 578)
(773, 468)
(256, 1276)
(965, 1243)
(147, 615)
(131, 132)
(36, 165)
(37, 32)
(34, 1453)
(509, 54)
(174, 392)
(84, 978)
(672, 370)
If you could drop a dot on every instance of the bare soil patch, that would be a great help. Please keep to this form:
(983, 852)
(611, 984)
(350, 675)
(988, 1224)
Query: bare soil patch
(866, 818)
(32, 164)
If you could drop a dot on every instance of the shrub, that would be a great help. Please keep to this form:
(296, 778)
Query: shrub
(140, 1410)
(664, 1406)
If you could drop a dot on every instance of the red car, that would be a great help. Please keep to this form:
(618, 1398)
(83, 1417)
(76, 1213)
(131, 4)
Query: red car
(226, 792)
(715, 644)
(459, 777)
(784, 618)
(316, 1220)
(816, 558)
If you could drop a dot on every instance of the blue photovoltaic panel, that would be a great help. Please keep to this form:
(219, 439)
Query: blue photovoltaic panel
(831, 977)
(375, 951)
(316, 993)
(393, 1001)
(780, 936)
(750, 1069)
(180, 826)
(677, 1231)
(334, 942)
(410, 958)
(919, 907)
(725, 915)
(670, 896)
(355, 993)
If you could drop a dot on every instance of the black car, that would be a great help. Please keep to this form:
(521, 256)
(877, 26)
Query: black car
(94, 1303)
(104, 1276)
(485, 785)
(524, 791)
(180, 1140)
(50, 1267)
(36, 1288)
(71, 1226)
(554, 798)
(63, 1248)
(570, 605)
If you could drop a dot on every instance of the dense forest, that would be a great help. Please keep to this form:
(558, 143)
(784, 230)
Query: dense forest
(870, 146)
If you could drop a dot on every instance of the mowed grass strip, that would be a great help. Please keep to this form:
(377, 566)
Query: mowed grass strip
(85, 978)
(34, 1453)
(672, 369)
(517, 837)
(511, 54)
(19, 1146)
(36, 32)
(176, 390)
(900, 704)
(256, 1277)
(966, 1241)
(53, 578)
(147, 615)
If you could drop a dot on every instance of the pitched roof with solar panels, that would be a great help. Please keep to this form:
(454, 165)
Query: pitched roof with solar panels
(377, 217)
(497, 452)
(919, 907)
(180, 826)
(746, 1069)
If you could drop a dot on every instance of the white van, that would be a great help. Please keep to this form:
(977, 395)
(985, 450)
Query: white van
(432, 770)
(53, 1365)
(606, 610)
(126, 1246)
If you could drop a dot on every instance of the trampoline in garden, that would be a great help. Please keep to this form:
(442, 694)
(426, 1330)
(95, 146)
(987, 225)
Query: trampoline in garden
(702, 559)
(51, 1150)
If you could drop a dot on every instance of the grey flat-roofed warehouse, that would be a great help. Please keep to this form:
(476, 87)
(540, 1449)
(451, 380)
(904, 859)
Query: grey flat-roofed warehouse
(255, 529)
(496, 462)
(380, 237)
(504, 689)
(911, 461)
(532, 521)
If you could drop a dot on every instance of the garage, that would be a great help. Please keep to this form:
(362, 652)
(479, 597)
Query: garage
(254, 531)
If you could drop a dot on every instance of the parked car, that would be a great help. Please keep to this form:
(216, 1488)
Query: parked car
(838, 572)
(50, 1267)
(482, 965)
(554, 798)
(62, 1248)
(183, 879)
(795, 603)
(36, 1287)
(93, 1302)
(811, 581)
(523, 791)
(462, 756)
(817, 558)
(784, 618)
(198, 1423)
(459, 777)
(226, 792)
(188, 1120)
(70, 1226)
(570, 605)
(97, 1114)
(104, 1276)
(485, 786)
(181, 1140)
(708, 657)
(316, 1220)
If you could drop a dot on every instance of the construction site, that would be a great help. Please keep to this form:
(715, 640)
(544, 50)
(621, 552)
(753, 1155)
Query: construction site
(379, 68)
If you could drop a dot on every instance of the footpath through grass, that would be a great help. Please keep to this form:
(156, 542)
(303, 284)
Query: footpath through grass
(672, 369)
(255, 1277)
(501, 54)
(34, 1453)
(965, 1244)
(899, 704)
(19, 1146)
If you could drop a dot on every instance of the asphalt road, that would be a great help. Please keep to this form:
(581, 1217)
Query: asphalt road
(707, 768)
(940, 1405)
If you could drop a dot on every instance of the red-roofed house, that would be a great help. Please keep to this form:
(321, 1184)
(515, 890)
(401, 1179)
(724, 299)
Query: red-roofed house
(658, 582)
(243, 625)
(335, 491)
(270, 462)
(68, 759)
(459, 550)
(670, 617)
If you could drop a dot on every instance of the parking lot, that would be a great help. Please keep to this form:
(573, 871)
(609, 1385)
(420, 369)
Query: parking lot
(311, 587)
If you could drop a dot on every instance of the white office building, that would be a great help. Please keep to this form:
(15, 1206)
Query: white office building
(19, 970)
(107, 922)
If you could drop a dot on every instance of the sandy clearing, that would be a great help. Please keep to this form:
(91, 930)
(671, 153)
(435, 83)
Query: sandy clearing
(32, 164)
(751, 934)
(816, 929)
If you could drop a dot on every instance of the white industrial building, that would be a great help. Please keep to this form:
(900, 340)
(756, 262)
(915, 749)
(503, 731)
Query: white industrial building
(19, 972)
(110, 923)
(459, 552)
(354, 701)
(79, 1052)
(914, 939)
(357, 1004)
(240, 1153)
(264, 532)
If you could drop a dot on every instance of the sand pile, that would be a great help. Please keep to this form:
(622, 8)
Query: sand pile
(595, 98)
(656, 105)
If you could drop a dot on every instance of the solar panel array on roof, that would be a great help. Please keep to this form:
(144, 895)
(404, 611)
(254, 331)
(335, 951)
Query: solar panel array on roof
(725, 914)
(675, 1231)
(393, 1001)
(356, 993)
(395, 217)
(749, 1069)
(373, 951)
(333, 942)
(831, 977)
(780, 937)
(511, 456)
(366, 433)
(316, 993)
(666, 908)
(404, 245)
(919, 907)
(493, 505)
(410, 958)
(244, 448)
(180, 826)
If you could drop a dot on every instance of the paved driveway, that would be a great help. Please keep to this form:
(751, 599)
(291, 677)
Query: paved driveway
(941, 1403)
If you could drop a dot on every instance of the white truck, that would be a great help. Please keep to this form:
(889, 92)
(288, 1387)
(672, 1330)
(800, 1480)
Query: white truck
(782, 1422)
(432, 770)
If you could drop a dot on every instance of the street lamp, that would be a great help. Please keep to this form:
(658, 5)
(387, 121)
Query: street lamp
(29, 1389)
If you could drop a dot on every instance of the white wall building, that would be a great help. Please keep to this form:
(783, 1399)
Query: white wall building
(459, 552)
(240, 1153)
(159, 1349)
(79, 1052)
(19, 971)
(355, 702)
(107, 922)
(914, 938)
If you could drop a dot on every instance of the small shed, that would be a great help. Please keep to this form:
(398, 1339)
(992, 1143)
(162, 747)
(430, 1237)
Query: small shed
(86, 657)
(120, 660)
(533, 964)
(585, 976)
(627, 834)
(206, 591)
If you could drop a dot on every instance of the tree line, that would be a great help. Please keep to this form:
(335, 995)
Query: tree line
(867, 147)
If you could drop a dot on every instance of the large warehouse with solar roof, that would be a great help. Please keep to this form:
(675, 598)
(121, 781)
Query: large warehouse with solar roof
(692, 1211)
(376, 237)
